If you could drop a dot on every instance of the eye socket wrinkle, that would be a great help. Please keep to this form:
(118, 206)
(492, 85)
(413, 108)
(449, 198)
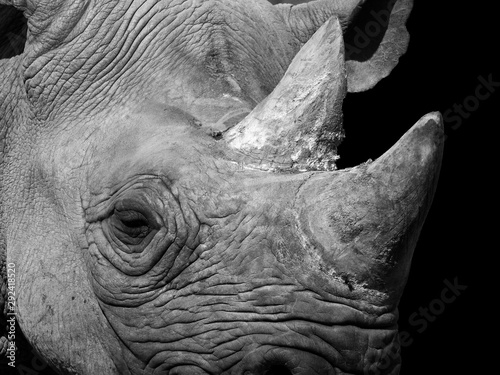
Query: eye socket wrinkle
(138, 218)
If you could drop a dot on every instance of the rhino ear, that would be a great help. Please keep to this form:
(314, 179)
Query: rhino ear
(13, 29)
(48, 21)
(375, 35)
(375, 41)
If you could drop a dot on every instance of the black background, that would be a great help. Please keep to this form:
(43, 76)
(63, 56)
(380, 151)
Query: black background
(452, 44)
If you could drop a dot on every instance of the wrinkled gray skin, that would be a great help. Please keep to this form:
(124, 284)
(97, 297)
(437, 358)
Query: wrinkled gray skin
(146, 241)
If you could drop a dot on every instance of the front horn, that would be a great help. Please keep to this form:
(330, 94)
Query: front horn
(365, 221)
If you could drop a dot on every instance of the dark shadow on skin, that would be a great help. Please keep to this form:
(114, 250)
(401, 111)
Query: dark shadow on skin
(27, 360)
(13, 29)
(278, 370)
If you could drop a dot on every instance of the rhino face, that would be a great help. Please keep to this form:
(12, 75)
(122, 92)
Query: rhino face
(170, 197)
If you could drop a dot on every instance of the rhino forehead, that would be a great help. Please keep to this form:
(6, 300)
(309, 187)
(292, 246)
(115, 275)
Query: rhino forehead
(184, 50)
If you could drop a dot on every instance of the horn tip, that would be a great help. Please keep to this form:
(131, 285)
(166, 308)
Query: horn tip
(432, 119)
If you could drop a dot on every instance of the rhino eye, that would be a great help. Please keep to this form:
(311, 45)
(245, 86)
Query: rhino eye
(139, 225)
(131, 224)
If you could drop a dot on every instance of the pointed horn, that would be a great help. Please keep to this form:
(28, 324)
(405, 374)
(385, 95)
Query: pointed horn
(299, 125)
(366, 220)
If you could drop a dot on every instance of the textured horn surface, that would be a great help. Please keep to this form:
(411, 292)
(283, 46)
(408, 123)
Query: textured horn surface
(299, 125)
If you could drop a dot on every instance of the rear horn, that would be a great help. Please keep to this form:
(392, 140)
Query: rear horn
(299, 125)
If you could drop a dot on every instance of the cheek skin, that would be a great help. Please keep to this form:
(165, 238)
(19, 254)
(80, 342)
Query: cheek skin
(233, 295)
(222, 305)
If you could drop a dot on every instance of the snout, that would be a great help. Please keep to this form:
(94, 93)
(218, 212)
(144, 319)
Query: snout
(283, 361)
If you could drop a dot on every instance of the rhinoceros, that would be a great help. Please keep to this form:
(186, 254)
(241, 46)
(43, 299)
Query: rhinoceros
(170, 201)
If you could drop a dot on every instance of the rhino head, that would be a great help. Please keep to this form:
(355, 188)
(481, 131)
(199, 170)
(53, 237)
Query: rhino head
(169, 195)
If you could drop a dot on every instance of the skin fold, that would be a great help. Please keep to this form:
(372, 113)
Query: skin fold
(147, 241)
